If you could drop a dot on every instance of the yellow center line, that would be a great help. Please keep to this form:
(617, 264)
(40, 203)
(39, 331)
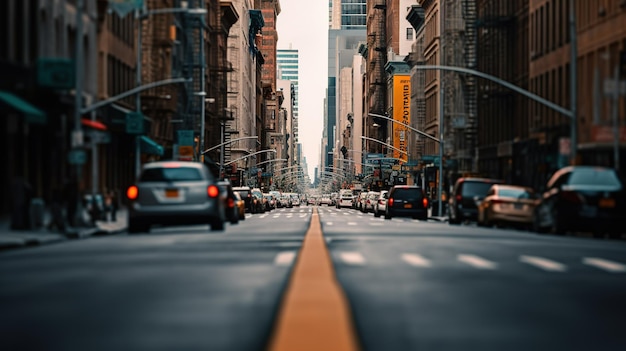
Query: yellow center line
(314, 314)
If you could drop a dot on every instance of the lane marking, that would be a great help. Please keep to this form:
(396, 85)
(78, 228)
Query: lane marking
(303, 215)
(477, 262)
(543, 263)
(314, 313)
(606, 265)
(329, 223)
(416, 260)
(284, 258)
(352, 258)
(351, 223)
(263, 216)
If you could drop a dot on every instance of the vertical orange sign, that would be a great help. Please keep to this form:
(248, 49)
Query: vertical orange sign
(401, 114)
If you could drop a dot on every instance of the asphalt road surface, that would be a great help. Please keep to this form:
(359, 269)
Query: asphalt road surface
(410, 285)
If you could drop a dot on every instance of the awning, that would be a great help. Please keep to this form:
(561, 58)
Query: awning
(149, 146)
(93, 124)
(31, 113)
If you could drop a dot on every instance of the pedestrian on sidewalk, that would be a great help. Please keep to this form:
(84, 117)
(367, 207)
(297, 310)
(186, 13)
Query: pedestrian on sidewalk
(112, 205)
(57, 222)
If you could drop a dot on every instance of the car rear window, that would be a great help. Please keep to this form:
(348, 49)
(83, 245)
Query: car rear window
(594, 177)
(407, 194)
(170, 174)
(471, 189)
(515, 193)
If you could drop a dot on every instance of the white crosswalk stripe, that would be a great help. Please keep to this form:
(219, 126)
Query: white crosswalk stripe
(543, 263)
(352, 258)
(477, 262)
(606, 265)
(416, 260)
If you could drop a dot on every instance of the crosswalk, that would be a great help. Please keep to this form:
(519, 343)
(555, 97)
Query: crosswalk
(358, 259)
(355, 258)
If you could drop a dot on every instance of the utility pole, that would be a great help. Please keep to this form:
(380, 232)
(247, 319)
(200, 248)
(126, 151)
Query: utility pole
(138, 96)
(77, 134)
(573, 82)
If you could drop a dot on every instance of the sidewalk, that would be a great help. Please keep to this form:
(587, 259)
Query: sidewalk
(10, 239)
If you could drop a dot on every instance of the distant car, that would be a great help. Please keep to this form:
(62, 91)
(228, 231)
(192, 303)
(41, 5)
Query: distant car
(246, 195)
(258, 201)
(407, 201)
(507, 204)
(381, 203)
(370, 201)
(174, 193)
(344, 198)
(240, 204)
(583, 198)
(270, 202)
(295, 199)
(466, 195)
(228, 195)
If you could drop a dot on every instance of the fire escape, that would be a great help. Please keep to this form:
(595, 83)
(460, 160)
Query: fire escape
(460, 108)
(376, 62)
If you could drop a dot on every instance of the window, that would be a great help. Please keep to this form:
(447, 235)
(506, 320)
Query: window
(170, 174)
(409, 34)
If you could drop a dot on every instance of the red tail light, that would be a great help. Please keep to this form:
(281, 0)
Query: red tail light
(459, 198)
(425, 202)
(572, 197)
(213, 191)
(132, 192)
(390, 201)
(380, 202)
(496, 201)
(231, 203)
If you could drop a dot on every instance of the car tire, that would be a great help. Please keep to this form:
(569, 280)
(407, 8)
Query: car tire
(217, 225)
(387, 215)
(376, 213)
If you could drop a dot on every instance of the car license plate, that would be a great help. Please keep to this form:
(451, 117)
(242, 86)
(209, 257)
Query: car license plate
(607, 203)
(518, 206)
(408, 205)
(171, 192)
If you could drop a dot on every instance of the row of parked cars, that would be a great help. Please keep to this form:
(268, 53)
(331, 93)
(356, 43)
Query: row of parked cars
(576, 198)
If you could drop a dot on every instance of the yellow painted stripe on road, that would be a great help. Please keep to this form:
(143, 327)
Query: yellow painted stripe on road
(314, 314)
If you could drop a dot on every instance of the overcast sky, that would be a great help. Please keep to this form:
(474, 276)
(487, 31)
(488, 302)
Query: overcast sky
(303, 26)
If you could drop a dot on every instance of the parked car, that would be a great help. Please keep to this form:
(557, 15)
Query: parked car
(407, 201)
(228, 196)
(270, 202)
(370, 201)
(466, 195)
(381, 203)
(582, 198)
(246, 195)
(258, 201)
(295, 199)
(240, 204)
(361, 200)
(174, 193)
(507, 204)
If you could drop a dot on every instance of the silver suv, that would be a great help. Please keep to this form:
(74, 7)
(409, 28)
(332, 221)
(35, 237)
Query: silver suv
(174, 193)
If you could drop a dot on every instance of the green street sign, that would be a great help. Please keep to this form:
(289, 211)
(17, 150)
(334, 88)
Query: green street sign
(56, 73)
(134, 123)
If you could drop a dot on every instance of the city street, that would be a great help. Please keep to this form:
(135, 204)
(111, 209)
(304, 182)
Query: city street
(410, 285)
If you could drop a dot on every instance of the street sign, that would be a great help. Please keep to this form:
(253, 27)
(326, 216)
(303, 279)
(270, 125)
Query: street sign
(185, 137)
(185, 151)
(56, 73)
(134, 123)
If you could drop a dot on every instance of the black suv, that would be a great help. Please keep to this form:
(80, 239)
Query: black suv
(465, 197)
(407, 201)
